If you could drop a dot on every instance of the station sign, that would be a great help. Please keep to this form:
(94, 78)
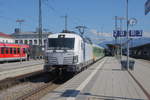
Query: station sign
(132, 33)
(118, 33)
(135, 33)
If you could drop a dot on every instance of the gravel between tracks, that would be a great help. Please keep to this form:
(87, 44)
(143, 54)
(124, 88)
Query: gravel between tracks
(19, 90)
(23, 88)
(31, 84)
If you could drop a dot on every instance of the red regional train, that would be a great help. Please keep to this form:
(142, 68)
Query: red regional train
(11, 52)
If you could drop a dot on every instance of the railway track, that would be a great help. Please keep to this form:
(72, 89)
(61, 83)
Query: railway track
(37, 93)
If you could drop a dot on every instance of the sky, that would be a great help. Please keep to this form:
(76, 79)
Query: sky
(97, 15)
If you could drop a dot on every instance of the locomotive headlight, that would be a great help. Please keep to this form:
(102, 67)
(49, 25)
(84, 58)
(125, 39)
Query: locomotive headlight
(75, 59)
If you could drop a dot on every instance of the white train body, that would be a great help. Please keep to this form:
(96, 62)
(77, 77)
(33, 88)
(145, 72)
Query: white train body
(67, 51)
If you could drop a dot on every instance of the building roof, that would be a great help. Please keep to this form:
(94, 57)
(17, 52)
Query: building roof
(5, 35)
(141, 46)
(29, 35)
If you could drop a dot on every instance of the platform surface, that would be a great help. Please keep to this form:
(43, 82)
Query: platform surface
(8, 70)
(15, 65)
(102, 81)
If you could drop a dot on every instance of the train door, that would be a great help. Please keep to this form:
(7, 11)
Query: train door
(7, 56)
(25, 53)
(1, 53)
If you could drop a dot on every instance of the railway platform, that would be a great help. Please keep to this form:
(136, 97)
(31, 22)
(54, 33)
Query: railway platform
(9, 70)
(105, 80)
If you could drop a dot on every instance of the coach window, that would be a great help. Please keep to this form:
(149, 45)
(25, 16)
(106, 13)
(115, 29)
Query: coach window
(18, 50)
(25, 41)
(10, 50)
(2, 50)
(7, 51)
(15, 51)
(21, 41)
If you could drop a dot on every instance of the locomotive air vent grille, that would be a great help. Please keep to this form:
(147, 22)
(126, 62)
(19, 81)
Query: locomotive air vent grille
(53, 60)
(68, 60)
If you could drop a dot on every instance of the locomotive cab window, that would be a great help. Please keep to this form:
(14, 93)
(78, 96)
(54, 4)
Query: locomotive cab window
(61, 43)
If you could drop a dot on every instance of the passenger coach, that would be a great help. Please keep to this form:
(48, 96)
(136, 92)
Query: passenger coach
(11, 52)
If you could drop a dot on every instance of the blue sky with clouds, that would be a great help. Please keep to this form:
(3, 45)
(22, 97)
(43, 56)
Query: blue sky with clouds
(95, 14)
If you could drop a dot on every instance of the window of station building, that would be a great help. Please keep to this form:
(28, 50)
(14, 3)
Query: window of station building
(40, 41)
(45, 41)
(145, 53)
(21, 41)
(30, 42)
(16, 41)
(25, 41)
(35, 42)
(15, 51)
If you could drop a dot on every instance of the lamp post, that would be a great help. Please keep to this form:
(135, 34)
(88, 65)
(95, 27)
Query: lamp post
(121, 29)
(127, 33)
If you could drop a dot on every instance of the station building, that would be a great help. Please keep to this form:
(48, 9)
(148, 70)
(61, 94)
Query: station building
(30, 38)
(141, 51)
(5, 38)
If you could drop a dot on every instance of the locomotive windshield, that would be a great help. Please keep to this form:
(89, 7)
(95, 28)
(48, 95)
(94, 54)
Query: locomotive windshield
(61, 43)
